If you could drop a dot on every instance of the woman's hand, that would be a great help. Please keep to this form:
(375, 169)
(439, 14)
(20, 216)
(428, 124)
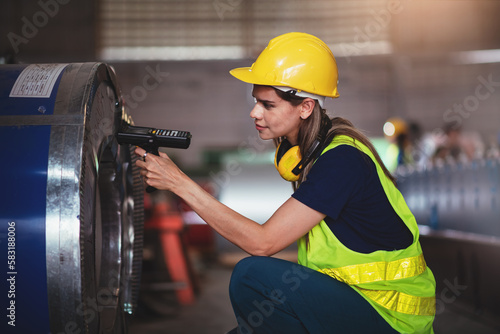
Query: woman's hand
(159, 171)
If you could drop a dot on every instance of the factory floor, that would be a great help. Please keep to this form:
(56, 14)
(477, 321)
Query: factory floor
(211, 313)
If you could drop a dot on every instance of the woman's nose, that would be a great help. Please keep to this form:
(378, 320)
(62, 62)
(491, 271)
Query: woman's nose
(256, 112)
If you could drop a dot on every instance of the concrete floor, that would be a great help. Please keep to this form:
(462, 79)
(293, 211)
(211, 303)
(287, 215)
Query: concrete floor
(212, 312)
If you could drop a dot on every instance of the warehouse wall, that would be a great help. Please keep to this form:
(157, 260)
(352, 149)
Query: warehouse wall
(48, 30)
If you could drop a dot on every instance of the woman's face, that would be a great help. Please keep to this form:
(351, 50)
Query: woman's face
(275, 117)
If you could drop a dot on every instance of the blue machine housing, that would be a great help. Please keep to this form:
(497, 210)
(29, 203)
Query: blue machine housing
(71, 209)
(23, 209)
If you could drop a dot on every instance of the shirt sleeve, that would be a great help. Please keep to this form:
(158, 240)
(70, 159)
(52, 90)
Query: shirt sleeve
(335, 178)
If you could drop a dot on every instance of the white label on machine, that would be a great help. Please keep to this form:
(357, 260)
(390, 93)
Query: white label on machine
(37, 80)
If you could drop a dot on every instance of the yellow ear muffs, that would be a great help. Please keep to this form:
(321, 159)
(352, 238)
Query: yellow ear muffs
(286, 159)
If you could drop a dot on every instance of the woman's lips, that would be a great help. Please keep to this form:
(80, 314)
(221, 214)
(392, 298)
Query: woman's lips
(259, 127)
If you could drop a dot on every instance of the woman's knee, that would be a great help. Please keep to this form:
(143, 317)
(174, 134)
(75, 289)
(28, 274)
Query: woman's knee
(240, 270)
(242, 274)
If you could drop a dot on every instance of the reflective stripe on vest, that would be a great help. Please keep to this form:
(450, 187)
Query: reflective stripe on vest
(378, 271)
(387, 271)
(402, 302)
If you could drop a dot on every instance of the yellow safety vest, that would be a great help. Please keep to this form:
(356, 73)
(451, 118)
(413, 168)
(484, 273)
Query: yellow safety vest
(398, 284)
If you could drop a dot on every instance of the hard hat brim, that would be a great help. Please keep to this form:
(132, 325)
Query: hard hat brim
(246, 74)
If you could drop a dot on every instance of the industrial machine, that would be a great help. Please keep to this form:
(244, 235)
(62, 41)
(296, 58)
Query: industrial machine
(71, 206)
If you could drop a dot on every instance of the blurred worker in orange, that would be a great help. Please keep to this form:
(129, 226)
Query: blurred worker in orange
(361, 267)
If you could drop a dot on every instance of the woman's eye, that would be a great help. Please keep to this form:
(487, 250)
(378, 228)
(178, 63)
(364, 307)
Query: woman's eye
(265, 104)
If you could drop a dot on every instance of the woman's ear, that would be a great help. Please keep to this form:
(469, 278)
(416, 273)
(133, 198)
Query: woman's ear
(307, 107)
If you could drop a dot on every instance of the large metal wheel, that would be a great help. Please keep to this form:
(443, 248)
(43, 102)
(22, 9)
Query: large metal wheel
(90, 228)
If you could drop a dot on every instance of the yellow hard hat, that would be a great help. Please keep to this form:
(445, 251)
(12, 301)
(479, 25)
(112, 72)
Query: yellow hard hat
(296, 60)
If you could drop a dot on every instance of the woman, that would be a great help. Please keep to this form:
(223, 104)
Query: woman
(361, 268)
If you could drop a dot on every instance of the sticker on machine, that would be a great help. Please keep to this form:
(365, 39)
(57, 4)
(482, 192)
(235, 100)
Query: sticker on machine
(37, 80)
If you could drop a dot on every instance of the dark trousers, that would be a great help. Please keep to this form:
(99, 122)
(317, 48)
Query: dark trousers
(274, 296)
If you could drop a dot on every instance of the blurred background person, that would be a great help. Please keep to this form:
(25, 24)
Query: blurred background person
(404, 146)
(458, 146)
